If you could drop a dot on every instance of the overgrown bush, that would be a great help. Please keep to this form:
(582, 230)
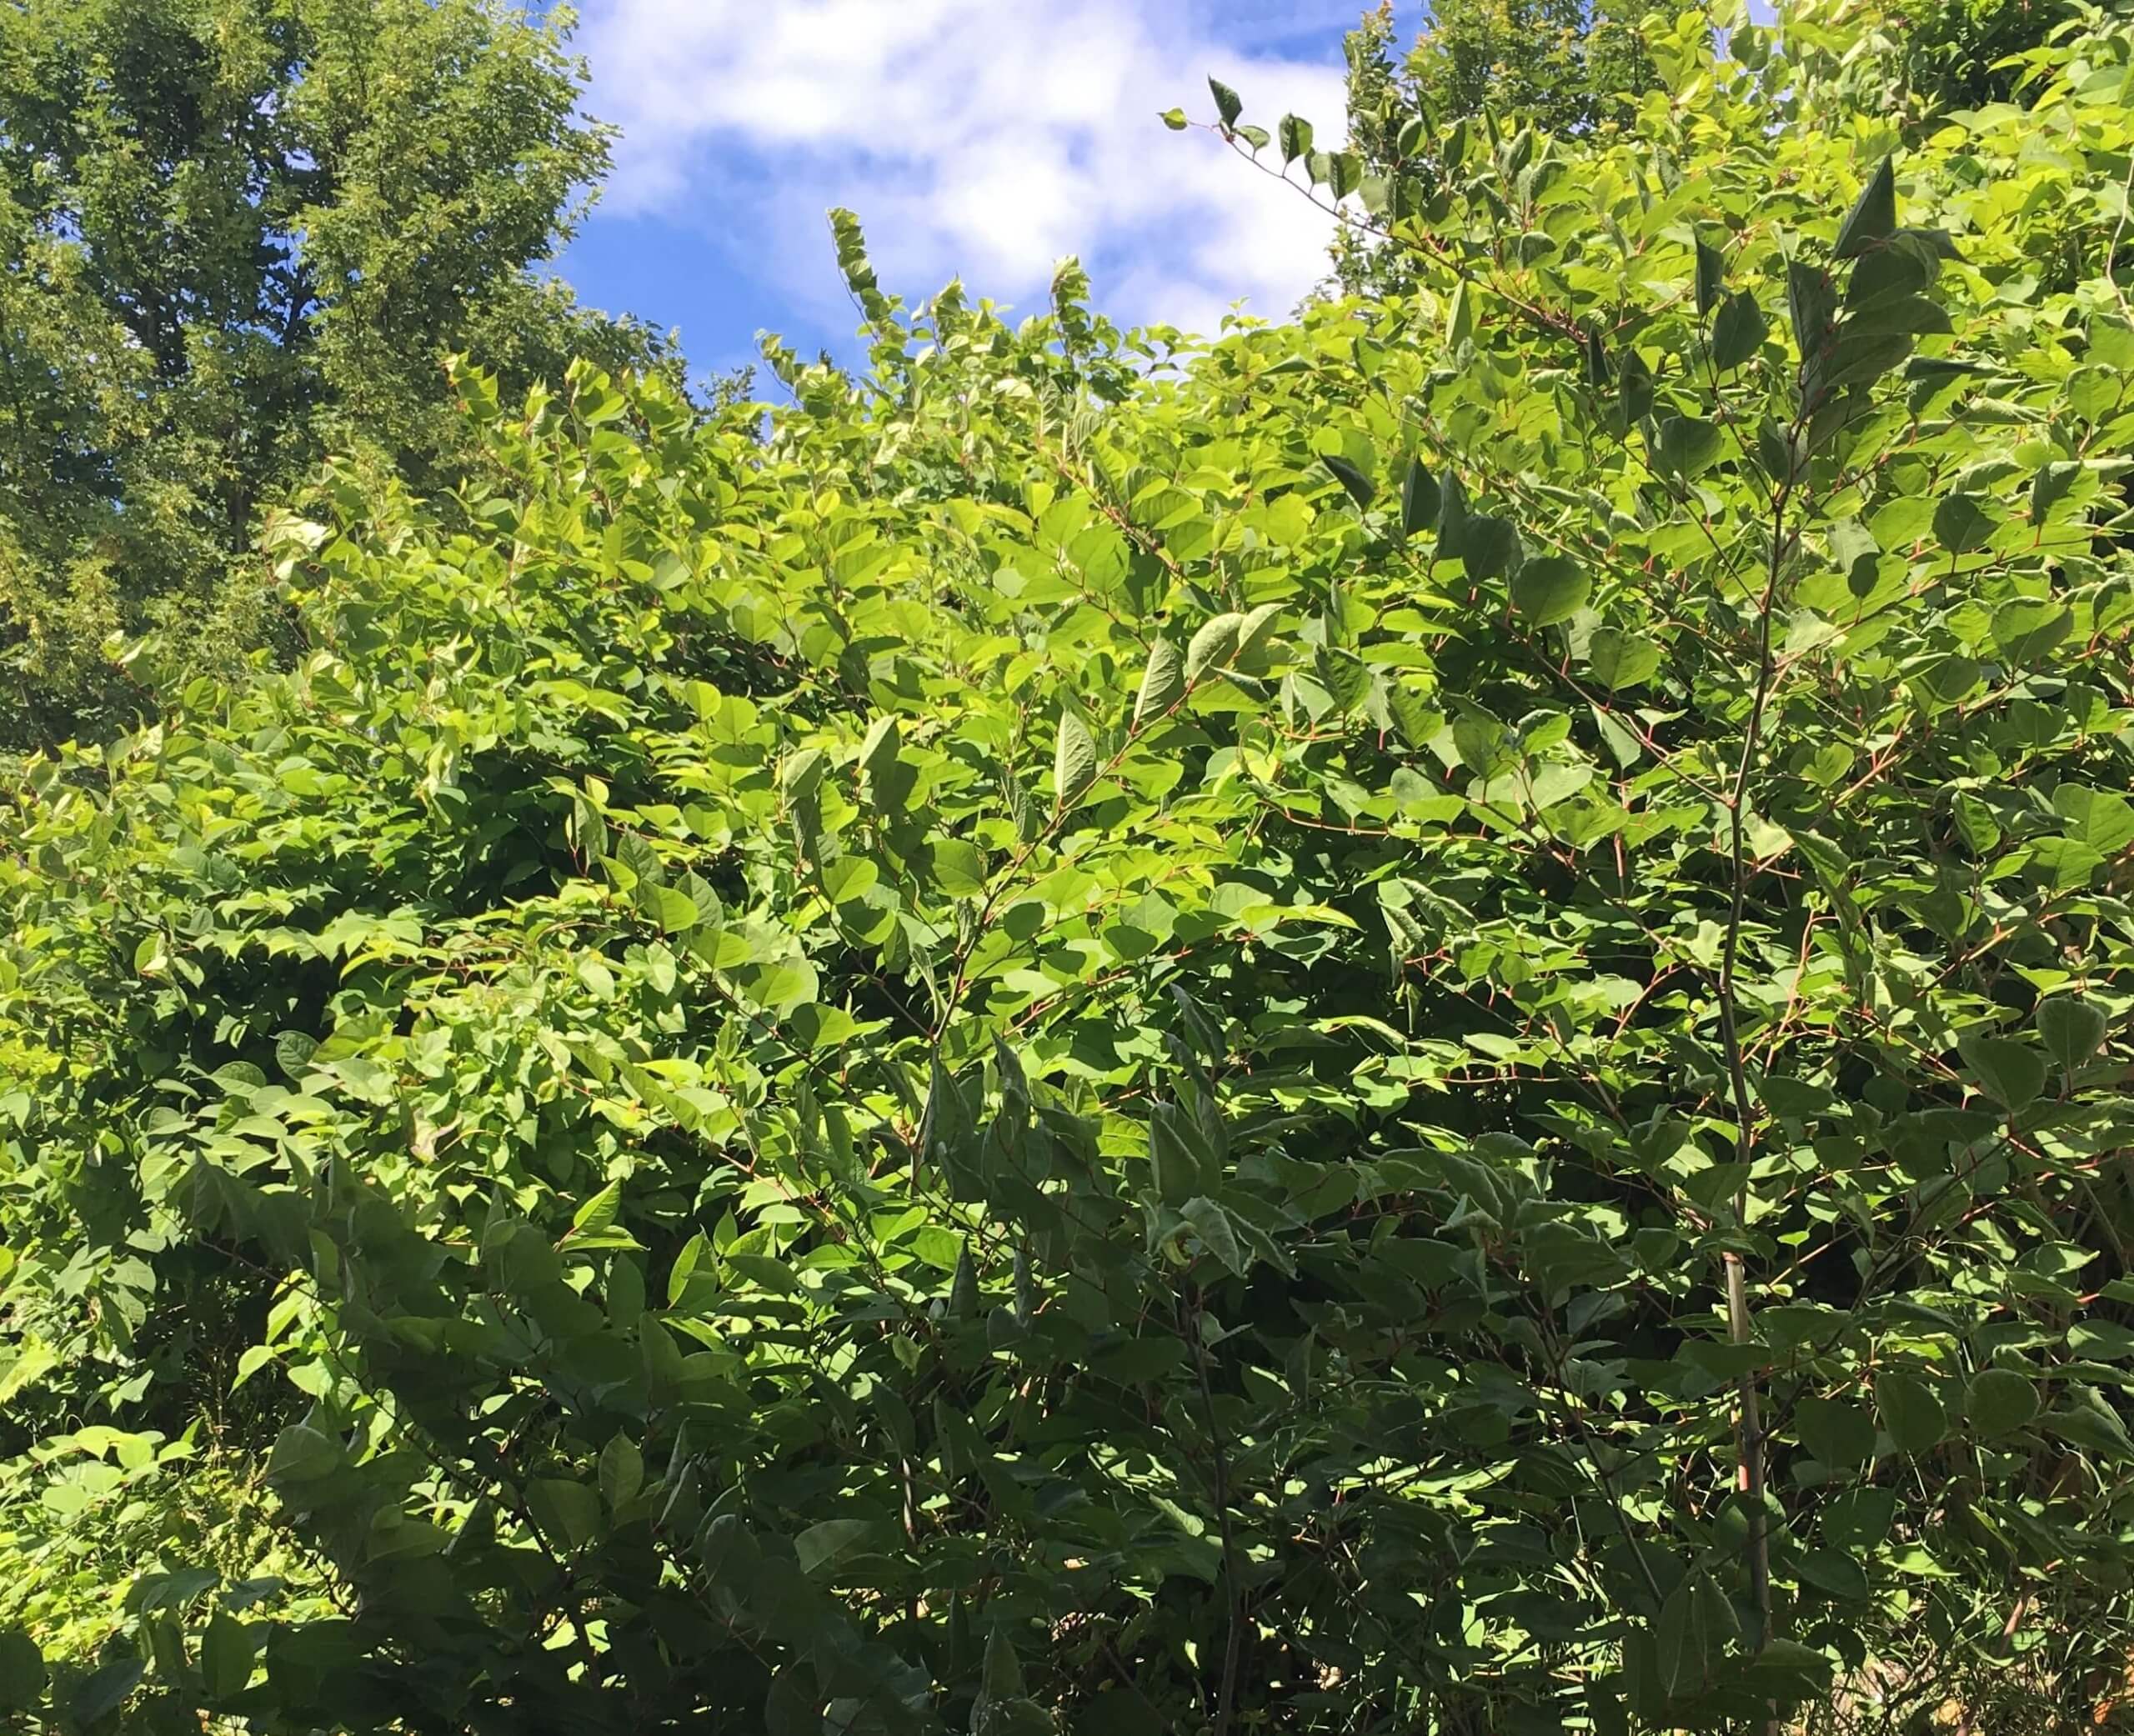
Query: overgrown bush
(1418, 1021)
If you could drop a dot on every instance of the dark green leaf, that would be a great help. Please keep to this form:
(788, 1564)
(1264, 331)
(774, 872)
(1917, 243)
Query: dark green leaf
(1999, 1401)
(2073, 1029)
(1711, 275)
(1361, 488)
(1874, 214)
(22, 1672)
(2011, 1073)
(227, 1650)
(1419, 498)
(1688, 446)
(1739, 332)
(1838, 1432)
(1910, 1411)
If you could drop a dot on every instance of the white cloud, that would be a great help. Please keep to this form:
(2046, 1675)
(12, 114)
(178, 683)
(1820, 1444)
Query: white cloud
(977, 139)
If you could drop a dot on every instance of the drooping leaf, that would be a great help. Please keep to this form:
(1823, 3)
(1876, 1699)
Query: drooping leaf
(1738, 332)
(1419, 498)
(1361, 488)
(227, 1648)
(1711, 276)
(1163, 681)
(1210, 647)
(1074, 759)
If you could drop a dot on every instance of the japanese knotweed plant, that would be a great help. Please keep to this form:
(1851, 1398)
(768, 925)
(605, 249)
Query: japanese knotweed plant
(1414, 1021)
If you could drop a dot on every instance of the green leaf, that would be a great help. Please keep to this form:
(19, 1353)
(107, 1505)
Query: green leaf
(1460, 318)
(957, 867)
(1175, 118)
(1211, 1223)
(2103, 820)
(1839, 1434)
(622, 1470)
(1711, 274)
(1163, 681)
(1226, 102)
(824, 1544)
(673, 909)
(302, 1454)
(1811, 305)
(1787, 1670)
(1633, 387)
(22, 1674)
(1489, 547)
(2073, 1029)
(1621, 660)
(2012, 1073)
(598, 1214)
(1074, 759)
(1550, 588)
(1874, 214)
(1418, 499)
(105, 1689)
(963, 1286)
(2103, 1341)
(1999, 1401)
(1212, 645)
(1835, 1573)
(227, 1650)
(1910, 1411)
(567, 1511)
(1739, 332)
(1000, 1676)
(1961, 524)
(1361, 488)
(2028, 630)
(1683, 1633)
(1688, 446)
(1296, 136)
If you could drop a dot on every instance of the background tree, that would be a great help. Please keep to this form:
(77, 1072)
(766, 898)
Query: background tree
(233, 234)
(1956, 53)
(1562, 66)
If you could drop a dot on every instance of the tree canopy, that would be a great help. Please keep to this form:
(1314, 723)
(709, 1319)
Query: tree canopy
(1416, 1019)
(238, 234)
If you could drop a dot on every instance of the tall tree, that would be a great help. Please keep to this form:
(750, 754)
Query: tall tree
(234, 234)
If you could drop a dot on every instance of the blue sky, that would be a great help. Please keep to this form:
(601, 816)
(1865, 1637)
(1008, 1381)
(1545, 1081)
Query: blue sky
(976, 138)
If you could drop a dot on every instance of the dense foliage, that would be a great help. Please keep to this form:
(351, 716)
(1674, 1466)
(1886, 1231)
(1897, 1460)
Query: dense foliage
(235, 234)
(1416, 1021)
